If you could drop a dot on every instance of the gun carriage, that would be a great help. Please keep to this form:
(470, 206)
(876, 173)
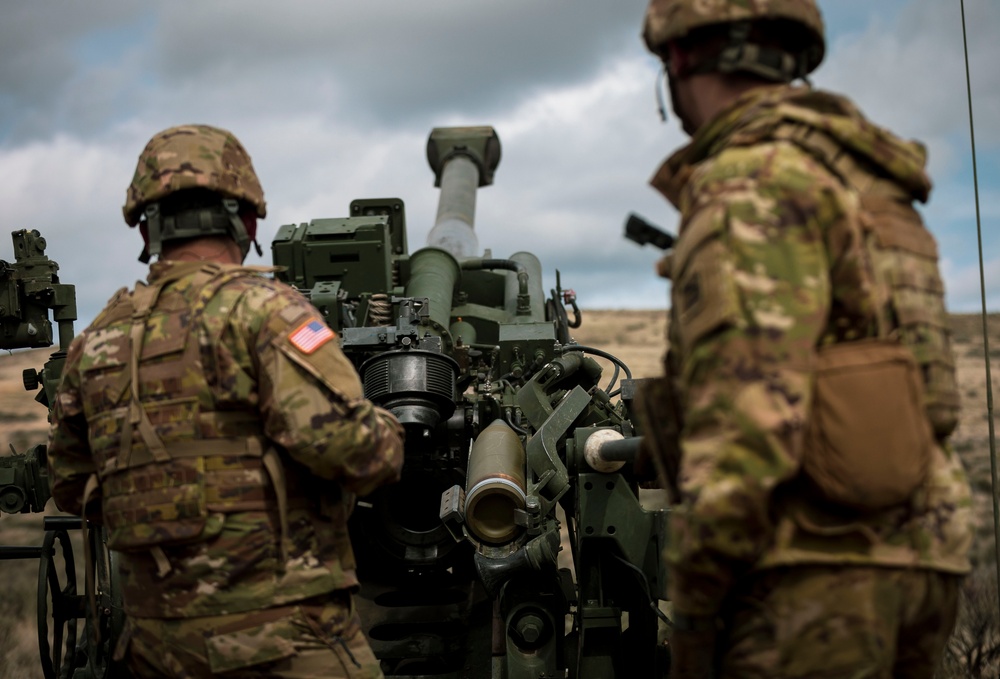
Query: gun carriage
(29, 291)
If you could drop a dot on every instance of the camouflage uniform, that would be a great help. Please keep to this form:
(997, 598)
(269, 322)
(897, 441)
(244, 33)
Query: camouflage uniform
(771, 263)
(227, 451)
(309, 639)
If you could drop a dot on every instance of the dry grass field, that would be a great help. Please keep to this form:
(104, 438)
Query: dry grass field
(637, 337)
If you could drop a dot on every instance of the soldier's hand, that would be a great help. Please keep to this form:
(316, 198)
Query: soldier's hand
(692, 654)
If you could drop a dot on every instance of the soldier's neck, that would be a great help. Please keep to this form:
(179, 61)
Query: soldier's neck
(209, 249)
(708, 94)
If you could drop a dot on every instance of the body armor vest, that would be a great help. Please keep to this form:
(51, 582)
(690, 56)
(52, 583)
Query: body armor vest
(904, 259)
(168, 458)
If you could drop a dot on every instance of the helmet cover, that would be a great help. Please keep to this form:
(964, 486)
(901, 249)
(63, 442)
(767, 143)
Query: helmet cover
(669, 20)
(191, 157)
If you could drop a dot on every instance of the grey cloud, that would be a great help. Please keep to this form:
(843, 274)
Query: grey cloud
(335, 100)
(911, 76)
(393, 61)
(40, 52)
(378, 64)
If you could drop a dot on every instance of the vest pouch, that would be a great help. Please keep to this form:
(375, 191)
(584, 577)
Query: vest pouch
(156, 504)
(868, 442)
(905, 253)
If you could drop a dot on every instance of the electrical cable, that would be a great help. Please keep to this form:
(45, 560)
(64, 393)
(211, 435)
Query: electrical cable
(618, 363)
(649, 595)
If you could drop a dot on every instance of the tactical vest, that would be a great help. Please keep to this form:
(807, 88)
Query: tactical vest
(904, 259)
(170, 461)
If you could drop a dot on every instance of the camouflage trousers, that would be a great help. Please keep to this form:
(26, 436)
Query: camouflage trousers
(318, 637)
(839, 622)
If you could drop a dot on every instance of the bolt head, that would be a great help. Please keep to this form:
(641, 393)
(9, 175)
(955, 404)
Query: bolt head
(530, 627)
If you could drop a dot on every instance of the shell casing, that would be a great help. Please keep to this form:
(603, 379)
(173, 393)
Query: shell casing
(494, 489)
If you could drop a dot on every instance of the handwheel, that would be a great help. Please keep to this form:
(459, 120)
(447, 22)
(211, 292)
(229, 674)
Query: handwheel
(111, 615)
(65, 606)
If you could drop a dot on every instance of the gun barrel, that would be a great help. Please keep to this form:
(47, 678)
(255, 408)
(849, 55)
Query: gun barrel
(454, 228)
(463, 159)
(434, 274)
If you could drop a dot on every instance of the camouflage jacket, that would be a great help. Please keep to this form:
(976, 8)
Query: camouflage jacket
(249, 364)
(771, 264)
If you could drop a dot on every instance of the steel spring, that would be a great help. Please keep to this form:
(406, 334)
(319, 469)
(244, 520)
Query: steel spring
(379, 310)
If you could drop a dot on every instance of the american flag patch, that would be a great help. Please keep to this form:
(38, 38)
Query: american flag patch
(311, 335)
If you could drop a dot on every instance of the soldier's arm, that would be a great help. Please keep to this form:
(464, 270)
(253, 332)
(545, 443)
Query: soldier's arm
(69, 456)
(751, 296)
(313, 404)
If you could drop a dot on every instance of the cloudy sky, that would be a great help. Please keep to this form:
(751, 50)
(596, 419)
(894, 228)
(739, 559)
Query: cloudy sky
(334, 101)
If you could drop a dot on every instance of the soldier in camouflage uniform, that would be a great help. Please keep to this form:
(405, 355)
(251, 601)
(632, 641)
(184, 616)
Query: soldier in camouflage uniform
(211, 421)
(822, 522)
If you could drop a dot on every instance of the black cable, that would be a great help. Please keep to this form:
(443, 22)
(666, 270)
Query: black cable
(603, 354)
(614, 378)
(649, 595)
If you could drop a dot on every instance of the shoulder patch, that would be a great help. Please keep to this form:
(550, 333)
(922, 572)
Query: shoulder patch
(311, 335)
(292, 313)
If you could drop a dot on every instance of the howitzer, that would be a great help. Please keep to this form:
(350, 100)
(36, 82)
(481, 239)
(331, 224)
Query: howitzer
(29, 291)
(24, 481)
(514, 448)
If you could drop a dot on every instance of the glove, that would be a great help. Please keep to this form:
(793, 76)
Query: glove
(692, 648)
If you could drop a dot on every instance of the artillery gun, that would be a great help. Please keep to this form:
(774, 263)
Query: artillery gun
(517, 447)
(507, 423)
(29, 291)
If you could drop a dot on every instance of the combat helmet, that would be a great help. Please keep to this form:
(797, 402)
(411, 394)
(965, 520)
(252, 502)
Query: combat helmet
(670, 20)
(193, 157)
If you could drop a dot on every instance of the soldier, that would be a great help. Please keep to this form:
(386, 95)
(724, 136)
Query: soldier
(210, 419)
(822, 523)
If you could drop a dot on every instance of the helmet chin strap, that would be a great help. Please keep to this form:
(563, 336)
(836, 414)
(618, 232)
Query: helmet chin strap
(221, 220)
(153, 226)
(236, 227)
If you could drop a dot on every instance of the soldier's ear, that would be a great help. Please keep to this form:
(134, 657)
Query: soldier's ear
(678, 62)
(250, 224)
(249, 220)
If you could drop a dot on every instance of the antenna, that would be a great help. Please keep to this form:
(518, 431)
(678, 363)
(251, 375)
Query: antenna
(982, 288)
